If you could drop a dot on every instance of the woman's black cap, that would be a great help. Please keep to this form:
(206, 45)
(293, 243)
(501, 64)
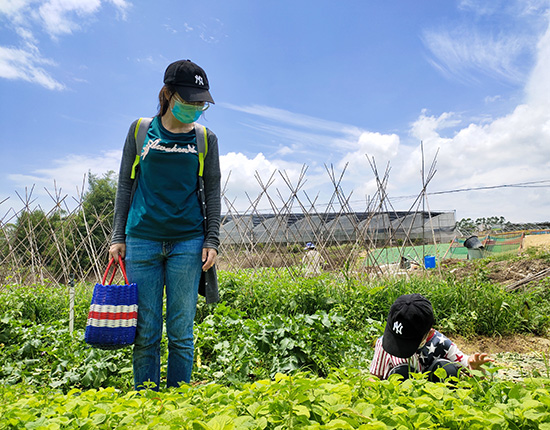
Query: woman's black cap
(189, 80)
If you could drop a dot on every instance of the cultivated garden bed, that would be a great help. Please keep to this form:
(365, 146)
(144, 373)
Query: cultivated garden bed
(282, 353)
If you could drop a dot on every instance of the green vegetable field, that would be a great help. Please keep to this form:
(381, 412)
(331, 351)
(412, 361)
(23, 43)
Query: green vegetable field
(278, 353)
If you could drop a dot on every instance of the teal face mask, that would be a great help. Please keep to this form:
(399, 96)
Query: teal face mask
(186, 113)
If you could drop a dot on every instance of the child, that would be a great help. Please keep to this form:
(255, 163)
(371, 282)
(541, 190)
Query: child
(410, 342)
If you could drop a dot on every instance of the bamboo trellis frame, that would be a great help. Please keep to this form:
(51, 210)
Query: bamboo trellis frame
(343, 235)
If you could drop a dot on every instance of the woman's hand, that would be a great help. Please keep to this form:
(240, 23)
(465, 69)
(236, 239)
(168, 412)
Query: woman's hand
(475, 361)
(117, 249)
(208, 258)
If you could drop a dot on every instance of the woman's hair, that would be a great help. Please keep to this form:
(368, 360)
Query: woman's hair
(165, 96)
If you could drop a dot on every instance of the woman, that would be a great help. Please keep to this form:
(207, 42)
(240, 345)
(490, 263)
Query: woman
(159, 227)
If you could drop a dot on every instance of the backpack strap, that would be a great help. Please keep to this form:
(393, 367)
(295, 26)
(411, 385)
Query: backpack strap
(202, 145)
(140, 133)
(202, 148)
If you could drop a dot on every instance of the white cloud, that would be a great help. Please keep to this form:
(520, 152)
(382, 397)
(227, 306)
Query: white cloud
(12, 8)
(282, 116)
(325, 146)
(242, 176)
(284, 150)
(380, 147)
(427, 127)
(67, 173)
(55, 18)
(517, 141)
(478, 47)
(510, 7)
(61, 16)
(27, 65)
(464, 53)
(508, 150)
(492, 99)
(210, 31)
(477, 150)
(122, 6)
(538, 85)
(298, 135)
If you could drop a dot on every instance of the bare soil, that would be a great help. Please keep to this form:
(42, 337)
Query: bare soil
(537, 240)
(515, 357)
(520, 343)
(506, 272)
(503, 272)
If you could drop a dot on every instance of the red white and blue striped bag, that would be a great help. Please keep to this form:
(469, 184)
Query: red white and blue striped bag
(112, 319)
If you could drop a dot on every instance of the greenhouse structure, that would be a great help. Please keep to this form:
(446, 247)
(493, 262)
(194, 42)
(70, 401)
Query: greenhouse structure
(337, 227)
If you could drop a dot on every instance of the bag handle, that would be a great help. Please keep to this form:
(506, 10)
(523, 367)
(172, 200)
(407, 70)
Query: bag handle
(122, 268)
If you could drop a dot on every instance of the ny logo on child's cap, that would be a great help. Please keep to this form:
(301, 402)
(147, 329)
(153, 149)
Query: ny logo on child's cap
(398, 327)
(198, 80)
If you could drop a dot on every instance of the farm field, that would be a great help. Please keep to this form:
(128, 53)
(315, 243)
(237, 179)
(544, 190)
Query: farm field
(520, 353)
(537, 241)
(278, 352)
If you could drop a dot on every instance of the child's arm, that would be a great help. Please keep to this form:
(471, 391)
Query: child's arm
(475, 361)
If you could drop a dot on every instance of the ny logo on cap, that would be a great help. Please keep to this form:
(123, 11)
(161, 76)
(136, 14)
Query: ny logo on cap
(398, 327)
(198, 80)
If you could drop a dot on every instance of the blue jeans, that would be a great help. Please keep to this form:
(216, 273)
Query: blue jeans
(154, 265)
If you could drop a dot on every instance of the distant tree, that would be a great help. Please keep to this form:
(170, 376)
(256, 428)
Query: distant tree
(491, 223)
(54, 240)
(31, 237)
(95, 219)
(32, 240)
(468, 227)
(99, 200)
(6, 238)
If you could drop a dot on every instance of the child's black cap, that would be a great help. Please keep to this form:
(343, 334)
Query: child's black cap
(410, 318)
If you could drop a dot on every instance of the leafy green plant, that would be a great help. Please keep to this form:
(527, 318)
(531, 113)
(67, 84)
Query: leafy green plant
(232, 347)
(466, 307)
(345, 399)
(44, 303)
(263, 326)
(48, 355)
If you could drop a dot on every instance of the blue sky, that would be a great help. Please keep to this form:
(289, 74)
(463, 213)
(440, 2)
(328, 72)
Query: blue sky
(315, 83)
